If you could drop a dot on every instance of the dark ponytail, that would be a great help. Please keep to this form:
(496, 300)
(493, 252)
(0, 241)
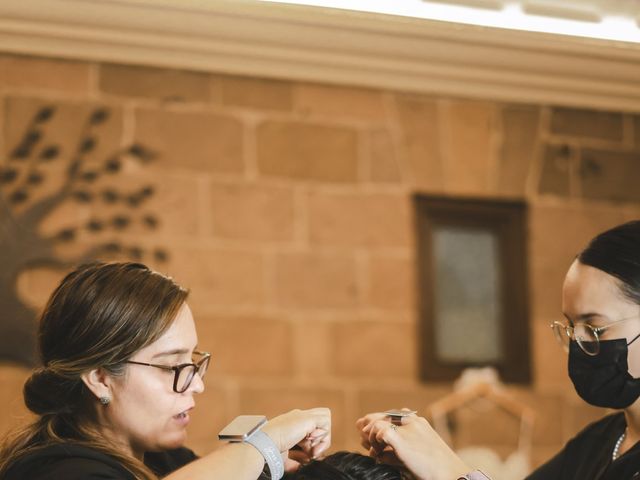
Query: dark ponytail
(46, 393)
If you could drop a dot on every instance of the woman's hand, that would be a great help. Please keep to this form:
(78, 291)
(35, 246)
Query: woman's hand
(308, 430)
(414, 443)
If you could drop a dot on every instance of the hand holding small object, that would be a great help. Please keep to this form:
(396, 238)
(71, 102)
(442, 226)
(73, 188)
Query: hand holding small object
(413, 443)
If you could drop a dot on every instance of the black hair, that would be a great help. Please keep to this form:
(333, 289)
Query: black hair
(617, 252)
(347, 466)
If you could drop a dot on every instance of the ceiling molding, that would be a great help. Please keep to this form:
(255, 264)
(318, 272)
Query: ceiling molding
(249, 37)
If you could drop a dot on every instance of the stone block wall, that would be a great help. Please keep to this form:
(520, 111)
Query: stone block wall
(286, 209)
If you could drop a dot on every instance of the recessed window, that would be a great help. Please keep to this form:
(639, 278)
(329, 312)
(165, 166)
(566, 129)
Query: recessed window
(472, 287)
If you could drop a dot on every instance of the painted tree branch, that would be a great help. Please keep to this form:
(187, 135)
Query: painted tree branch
(23, 247)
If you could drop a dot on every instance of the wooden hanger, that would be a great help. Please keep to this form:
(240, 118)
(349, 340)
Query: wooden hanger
(485, 386)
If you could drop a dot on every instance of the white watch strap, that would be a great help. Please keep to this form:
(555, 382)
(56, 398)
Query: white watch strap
(270, 452)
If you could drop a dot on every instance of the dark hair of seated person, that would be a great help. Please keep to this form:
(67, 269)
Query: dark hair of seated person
(347, 466)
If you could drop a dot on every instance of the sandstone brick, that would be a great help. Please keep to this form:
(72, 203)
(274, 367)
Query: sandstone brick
(587, 123)
(546, 288)
(558, 234)
(340, 101)
(257, 93)
(307, 151)
(383, 166)
(3, 143)
(470, 164)
(316, 281)
(148, 82)
(66, 76)
(311, 344)
(218, 278)
(64, 131)
(175, 204)
(608, 175)
(276, 400)
(201, 141)
(16, 413)
(173, 207)
(419, 123)
(417, 397)
(548, 358)
(556, 170)
(68, 214)
(132, 248)
(65, 127)
(517, 155)
(247, 345)
(252, 212)
(35, 285)
(391, 283)
(272, 401)
(375, 349)
(375, 220)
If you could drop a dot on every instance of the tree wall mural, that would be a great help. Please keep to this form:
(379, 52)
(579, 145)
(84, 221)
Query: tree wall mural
(27, 199)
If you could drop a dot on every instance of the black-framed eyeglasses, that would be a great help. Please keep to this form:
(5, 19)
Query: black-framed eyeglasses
(183, 373)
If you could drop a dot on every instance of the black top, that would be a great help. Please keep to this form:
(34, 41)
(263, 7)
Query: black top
(74, 462)
(588, 455)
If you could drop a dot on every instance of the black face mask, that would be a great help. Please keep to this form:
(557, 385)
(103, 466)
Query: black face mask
(603, 380)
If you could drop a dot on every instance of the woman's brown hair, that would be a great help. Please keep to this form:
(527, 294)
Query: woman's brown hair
(98, 317)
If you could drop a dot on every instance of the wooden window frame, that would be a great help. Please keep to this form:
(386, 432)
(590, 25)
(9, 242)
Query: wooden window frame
(508, 219)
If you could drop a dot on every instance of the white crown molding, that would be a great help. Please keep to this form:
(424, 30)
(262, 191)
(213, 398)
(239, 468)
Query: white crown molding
(249, 37)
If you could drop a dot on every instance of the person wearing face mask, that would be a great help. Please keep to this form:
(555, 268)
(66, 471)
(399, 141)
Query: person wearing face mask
(601, 303)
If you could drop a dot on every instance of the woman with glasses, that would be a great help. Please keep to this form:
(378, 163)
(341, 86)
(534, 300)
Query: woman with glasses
(601, 305)
(112, 399)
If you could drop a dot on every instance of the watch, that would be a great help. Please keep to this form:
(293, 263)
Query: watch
(246, 429)
(475, 475)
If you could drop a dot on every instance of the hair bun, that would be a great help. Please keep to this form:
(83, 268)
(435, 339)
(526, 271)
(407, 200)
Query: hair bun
(47, 393)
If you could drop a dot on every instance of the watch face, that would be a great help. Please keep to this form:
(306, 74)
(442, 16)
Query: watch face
(242, 427)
